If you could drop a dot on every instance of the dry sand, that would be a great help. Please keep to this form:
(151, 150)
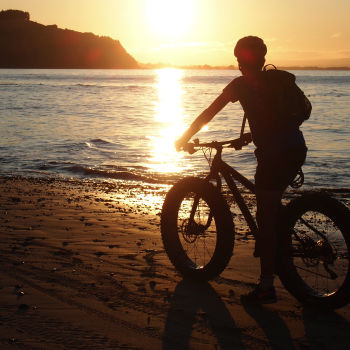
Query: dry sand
(83, 269)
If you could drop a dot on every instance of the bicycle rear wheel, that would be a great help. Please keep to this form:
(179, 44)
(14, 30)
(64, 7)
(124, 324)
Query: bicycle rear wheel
(314, 256)
(197, 229)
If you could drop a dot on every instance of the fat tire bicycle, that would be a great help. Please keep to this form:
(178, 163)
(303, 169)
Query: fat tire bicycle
(198, 232)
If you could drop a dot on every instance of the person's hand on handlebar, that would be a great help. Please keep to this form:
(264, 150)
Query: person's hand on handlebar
(182, 144)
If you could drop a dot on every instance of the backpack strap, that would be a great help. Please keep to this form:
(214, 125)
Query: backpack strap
(243, 124)
(269, 67)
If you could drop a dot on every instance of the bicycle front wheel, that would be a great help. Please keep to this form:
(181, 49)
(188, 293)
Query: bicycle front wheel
(197, 229)
(314, 259)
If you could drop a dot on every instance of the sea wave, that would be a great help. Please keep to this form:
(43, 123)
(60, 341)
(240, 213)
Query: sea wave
(87, 85)
(8, 83)
(100, 141)
(102, 145)
(117, 175)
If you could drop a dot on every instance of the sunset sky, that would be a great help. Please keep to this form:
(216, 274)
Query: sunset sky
(187, 32)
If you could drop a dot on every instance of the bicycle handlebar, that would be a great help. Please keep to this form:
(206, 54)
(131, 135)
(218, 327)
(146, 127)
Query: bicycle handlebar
(237, 144)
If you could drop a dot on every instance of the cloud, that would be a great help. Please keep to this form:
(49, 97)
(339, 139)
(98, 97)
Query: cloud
(344, 53)
(178, 45)
(336, 35)
(270, 40)
(198, 44)
(285, 53)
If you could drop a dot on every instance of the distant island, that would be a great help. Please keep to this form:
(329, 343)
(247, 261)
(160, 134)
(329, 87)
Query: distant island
(233, 67)
(27, 44)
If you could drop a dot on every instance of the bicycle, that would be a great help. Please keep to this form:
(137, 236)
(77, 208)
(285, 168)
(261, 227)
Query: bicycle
(314, 232)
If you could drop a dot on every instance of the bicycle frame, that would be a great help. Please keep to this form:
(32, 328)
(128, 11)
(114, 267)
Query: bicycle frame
(218, 167)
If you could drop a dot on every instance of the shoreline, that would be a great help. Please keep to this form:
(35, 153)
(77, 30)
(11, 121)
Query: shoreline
(83, 266)
(199, 67)
(157, 187)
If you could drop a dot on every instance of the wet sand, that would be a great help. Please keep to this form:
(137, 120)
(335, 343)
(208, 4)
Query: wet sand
(83, 267)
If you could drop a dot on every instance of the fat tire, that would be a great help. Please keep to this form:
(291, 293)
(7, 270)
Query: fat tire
(340, 215)
(224, 229)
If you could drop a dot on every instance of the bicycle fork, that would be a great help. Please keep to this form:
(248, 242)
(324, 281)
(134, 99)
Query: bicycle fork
(192, 222)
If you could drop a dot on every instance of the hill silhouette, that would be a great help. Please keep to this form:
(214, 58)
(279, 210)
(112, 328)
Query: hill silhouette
(27, 44)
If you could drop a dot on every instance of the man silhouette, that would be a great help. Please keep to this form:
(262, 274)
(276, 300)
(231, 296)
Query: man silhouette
(280, 150)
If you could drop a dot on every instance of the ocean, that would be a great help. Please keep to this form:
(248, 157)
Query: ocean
(120, 125)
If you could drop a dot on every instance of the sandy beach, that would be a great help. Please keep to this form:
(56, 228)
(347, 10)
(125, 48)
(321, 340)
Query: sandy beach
(83, 267)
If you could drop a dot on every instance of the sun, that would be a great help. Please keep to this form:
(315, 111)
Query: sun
(170, 18)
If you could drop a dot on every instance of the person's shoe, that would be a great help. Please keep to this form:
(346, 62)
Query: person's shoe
(260, 296)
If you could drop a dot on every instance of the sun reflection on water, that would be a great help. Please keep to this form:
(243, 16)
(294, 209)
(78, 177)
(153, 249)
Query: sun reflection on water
(169, 117)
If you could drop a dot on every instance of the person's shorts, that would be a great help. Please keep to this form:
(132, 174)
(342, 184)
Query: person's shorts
(278, 171)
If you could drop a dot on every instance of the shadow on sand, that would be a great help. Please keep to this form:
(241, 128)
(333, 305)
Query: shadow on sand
(196, 310)
(275, 329)
(326, 330)
(196, 306)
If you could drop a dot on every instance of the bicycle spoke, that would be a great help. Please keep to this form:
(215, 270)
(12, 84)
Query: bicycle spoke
(196, 240)
(312, 272)
(206, 249)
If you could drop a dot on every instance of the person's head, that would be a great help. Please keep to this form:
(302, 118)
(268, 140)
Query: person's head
(250, 52)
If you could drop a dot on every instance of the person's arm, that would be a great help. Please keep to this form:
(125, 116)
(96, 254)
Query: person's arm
(205, 117)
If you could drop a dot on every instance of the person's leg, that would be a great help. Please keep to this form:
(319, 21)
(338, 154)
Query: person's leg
(268, 206)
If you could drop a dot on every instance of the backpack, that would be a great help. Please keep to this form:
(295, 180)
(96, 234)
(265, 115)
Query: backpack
(287, 102)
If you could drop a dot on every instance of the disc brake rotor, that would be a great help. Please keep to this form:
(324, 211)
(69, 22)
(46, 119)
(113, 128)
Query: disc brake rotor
(191, 231)
(315, 252)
